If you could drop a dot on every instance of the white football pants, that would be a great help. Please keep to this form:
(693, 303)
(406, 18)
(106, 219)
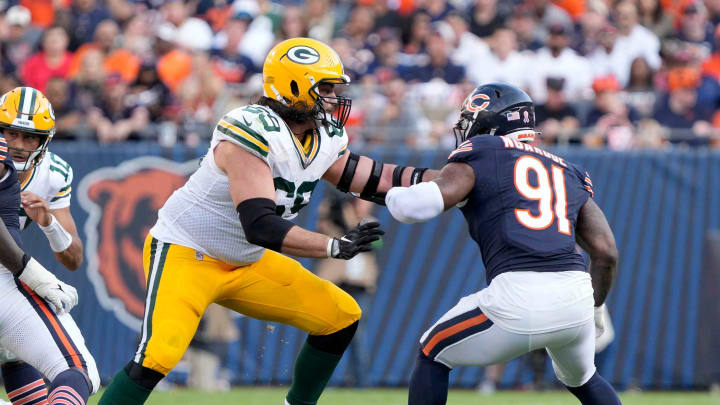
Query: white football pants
(465, 336)
(31, 331)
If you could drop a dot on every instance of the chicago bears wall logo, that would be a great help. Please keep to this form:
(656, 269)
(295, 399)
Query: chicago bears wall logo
(122, 204)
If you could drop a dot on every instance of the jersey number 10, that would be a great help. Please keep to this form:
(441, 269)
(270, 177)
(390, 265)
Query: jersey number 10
(543, 194)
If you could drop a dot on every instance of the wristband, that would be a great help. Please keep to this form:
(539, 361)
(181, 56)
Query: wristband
(330, 246)
(417, 175)
(58, 237)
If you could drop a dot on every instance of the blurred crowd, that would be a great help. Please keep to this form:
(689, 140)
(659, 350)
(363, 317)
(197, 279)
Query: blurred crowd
(603, 73)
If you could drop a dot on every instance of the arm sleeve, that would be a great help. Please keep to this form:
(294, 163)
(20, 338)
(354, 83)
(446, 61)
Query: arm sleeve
(418, 203)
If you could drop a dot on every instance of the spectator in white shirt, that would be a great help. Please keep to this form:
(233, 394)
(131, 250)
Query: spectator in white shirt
(609, 59)
(634, 40)
(556, 59)
(504, 63)
(468, 48)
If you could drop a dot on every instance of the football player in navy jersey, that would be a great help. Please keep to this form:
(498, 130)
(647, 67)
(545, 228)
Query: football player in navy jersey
(525, 208)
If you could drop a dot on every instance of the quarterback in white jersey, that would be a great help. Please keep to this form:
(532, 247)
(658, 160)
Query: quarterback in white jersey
(27, 121)
(221, 237)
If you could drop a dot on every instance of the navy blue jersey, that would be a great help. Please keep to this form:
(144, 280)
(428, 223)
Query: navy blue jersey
(524, 205)
(9, 194)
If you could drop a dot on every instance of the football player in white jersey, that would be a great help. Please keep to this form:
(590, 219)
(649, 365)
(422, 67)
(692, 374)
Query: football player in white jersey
(28, 124)
(219, 238)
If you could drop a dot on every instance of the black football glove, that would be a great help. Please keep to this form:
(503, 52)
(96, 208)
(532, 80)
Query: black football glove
(356, 240)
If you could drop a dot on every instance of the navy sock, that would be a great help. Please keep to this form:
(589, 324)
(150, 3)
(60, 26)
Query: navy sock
(596, 391)
(429, 382)
(24, 383)
(71, 387)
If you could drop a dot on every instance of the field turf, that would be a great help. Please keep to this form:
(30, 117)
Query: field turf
(335, 396)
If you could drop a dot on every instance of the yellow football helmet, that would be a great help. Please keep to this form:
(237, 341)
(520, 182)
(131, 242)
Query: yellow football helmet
(295, 68)
(26, 109)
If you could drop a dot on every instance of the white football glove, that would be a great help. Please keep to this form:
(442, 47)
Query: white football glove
(599, 320)
(60, 295)
(604, 331)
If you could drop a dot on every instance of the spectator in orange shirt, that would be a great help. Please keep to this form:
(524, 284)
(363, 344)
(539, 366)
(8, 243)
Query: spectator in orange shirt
(53, 61)
(115, 59)
(43, 11)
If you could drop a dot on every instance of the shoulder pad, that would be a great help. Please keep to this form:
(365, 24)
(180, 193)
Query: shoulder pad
(250, 128)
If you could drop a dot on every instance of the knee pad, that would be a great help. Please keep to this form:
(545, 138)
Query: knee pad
(348, 310)
(334, 343)
(143, 376)
(94, 378)
(167, 345)
(573, 380)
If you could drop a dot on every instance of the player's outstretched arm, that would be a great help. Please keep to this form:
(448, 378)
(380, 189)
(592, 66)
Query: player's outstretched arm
(423, 201)
(371, 179)
(593, 234)
(253, 191)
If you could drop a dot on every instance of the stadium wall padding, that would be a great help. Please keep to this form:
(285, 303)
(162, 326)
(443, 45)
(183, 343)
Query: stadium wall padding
(662, 205)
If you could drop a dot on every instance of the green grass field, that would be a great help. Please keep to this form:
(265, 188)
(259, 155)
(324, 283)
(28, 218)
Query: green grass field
(274, 396)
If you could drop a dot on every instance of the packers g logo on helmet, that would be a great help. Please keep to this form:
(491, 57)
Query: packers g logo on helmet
(25, 109)
(295, 68)
(303, 55)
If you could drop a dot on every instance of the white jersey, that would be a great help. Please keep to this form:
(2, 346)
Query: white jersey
(51, 180)
(53, 337)
(201, 214)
